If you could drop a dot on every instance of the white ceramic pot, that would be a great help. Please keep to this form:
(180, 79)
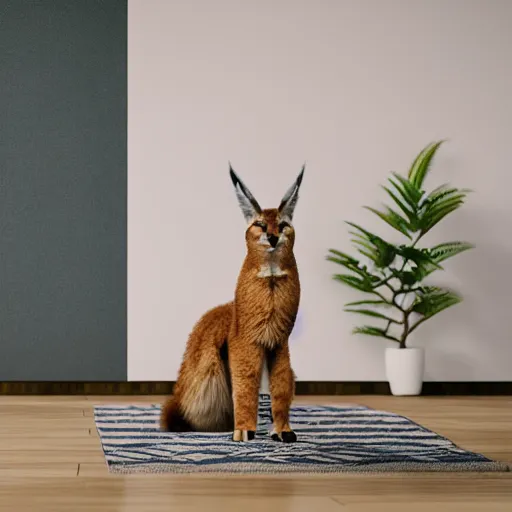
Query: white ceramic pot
(404, 370)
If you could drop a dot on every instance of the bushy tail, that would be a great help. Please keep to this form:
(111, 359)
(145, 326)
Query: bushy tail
(171, 419)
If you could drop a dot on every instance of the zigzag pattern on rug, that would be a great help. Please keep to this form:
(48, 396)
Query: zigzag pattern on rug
(331, 439)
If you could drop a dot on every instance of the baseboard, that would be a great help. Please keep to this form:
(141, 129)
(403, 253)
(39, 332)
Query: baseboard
(382, 388)
(302, 388)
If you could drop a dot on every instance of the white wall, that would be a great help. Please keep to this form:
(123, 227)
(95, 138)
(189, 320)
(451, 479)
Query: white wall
(356, 88)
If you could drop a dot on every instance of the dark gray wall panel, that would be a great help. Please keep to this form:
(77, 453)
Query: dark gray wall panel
(63, 179)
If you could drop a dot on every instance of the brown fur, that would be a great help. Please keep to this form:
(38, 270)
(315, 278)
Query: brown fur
(219, 379)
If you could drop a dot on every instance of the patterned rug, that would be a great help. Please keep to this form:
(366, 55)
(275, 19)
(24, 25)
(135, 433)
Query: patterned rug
(331, 439)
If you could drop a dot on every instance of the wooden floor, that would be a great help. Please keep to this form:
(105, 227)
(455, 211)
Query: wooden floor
(51, 460)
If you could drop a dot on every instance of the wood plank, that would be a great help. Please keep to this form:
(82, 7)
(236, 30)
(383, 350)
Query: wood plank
(44, 424)
(456, 506)
(56, 432)
(39, 495)
(346, 488)
(36, 443)
(55, 456)
(40, 469)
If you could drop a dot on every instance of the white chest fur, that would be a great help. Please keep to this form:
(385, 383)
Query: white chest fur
(271, 269)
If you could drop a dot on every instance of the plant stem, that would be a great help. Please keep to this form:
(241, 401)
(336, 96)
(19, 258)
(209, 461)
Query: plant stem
(417, 239)
(417, 324)
(390, 287)
(406, 331)
(406, 313)
(375, 292)
(384, 282)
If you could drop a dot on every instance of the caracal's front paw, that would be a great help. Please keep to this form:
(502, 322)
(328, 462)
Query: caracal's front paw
(243, 435)
(284, 437)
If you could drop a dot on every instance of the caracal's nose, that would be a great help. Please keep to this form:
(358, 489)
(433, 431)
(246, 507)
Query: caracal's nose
(273, 240)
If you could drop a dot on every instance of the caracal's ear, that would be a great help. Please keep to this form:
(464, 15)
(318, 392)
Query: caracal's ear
(249, 206)
(289, 201)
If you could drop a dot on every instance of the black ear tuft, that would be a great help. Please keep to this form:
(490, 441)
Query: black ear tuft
(298, 181)
(289, 201)
(248, 204)
(234, 177)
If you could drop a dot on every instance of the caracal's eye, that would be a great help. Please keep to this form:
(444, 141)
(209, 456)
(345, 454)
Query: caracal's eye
(261, 225)
(283, 224)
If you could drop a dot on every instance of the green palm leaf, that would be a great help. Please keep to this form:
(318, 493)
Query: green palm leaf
(347, 264)
(410, 213)
(423, 261)
(343, 256)
(446, 250)
(432, 300)
(421, 164)
(417, 256)
(394, 219)
(440, 193)
(408, 190)
(370, 312)
(366, 249)
(374, 331)
(403, 190)
(434, 217)
(364, 280)
(379, 302)
(440, 204)
(373, 247)
(437, 207)
(343, 259)
(369, 236)
(440, 253)
(408, 278)
(359, 283)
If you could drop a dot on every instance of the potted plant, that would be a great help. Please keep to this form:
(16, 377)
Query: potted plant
(393, 275)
